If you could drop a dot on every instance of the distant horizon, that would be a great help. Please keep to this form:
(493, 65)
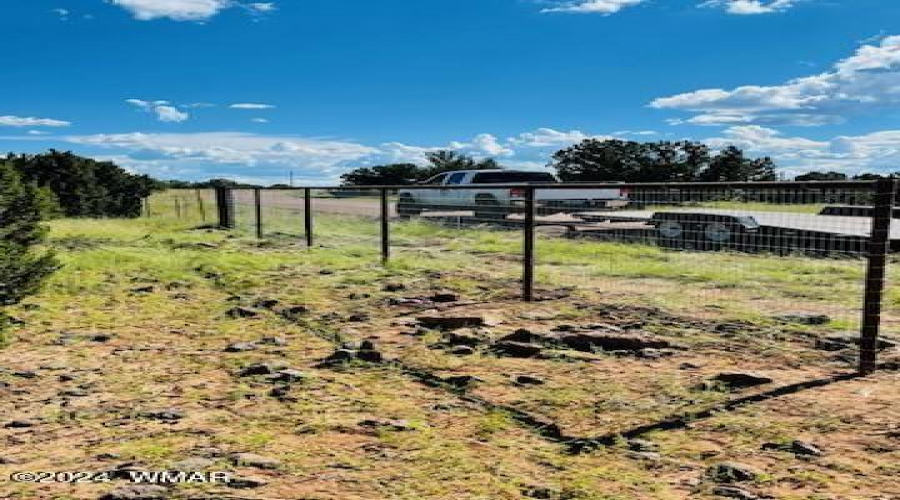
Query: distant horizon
(250, 91)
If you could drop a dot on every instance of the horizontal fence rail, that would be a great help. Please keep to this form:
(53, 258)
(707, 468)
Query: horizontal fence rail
(848, 220)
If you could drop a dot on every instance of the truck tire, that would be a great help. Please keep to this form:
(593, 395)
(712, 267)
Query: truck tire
(407, 207)
(490, 209)
(546, 212)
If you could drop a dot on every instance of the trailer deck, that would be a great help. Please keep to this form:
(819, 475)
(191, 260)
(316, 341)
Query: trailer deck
(719, 229)
(833, 224)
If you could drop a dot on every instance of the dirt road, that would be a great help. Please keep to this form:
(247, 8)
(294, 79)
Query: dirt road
(368, 206)
(361, 206)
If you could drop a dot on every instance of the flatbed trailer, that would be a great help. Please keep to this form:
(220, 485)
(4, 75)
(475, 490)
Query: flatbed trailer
(742, 230)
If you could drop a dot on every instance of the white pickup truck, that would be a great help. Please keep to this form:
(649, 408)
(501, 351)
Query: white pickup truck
(497, 203)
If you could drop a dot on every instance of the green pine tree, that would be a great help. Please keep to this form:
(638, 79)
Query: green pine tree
(23, 266)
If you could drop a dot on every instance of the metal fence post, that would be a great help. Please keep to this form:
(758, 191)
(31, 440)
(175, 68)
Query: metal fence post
(385, 228)
(200, 205)
(528, 260)
(879, 243)
(257, 204)
(225, 206)
(308, 216)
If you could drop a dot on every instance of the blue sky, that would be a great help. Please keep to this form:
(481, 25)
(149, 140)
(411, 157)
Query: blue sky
(251, 90)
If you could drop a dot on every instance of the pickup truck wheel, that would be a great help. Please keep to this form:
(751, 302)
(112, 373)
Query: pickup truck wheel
(490, 209)
(407, 207)
(546, 212)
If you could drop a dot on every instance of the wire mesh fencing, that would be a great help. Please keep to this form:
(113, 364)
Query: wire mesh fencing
(189, 205)
(808, 252)
(767, 253)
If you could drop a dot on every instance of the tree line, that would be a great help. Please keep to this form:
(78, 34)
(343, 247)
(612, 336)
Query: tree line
(612, 160)
(83, 187)
(598, 161)
(840, 176)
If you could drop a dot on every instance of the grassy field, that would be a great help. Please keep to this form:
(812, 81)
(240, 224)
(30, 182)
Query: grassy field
(138, 321)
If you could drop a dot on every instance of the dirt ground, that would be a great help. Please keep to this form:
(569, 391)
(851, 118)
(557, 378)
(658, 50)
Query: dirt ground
(125, 364)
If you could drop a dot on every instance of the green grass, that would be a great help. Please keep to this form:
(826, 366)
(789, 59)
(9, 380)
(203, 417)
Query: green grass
(167, 346)
(679, 279)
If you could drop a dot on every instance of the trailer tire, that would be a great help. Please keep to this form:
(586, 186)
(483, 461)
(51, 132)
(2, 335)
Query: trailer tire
(718, 232)
(671, 230)
(671, 234)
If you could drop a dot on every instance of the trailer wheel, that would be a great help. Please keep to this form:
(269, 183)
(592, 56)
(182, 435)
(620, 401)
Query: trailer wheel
(671, 234)
(717, 232)
(407, 207)
(670, 230)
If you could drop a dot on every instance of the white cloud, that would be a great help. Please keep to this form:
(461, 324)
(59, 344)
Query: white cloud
(187, 10)
(483, 145)
(170, 114)
(873, 152)
(751, 7)
(397, 152)
(262, 6)
(758, 139)
(164, 110)
(177, 10)
(251, 105)
(635, 132)
(218, 153)
(267, 158)
(526, 149)
(548, 137)
(18, 121)
(604, 7)
(864, 82)
(260, 120)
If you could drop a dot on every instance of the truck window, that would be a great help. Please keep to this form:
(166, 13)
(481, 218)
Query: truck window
(436, 180)
(456, 178)
(512, 177)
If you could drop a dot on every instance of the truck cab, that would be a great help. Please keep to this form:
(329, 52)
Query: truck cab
(489, 202)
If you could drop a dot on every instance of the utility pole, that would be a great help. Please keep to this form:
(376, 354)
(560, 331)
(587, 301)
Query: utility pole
(291, 182)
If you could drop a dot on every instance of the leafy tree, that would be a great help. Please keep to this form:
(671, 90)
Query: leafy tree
(394, 174)
(85, 187)
(665, 161)
(875, 177)
(176, 184)
(730, 165)
(408, 173)
(447, 161)
(22, 269)
(630, 161)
